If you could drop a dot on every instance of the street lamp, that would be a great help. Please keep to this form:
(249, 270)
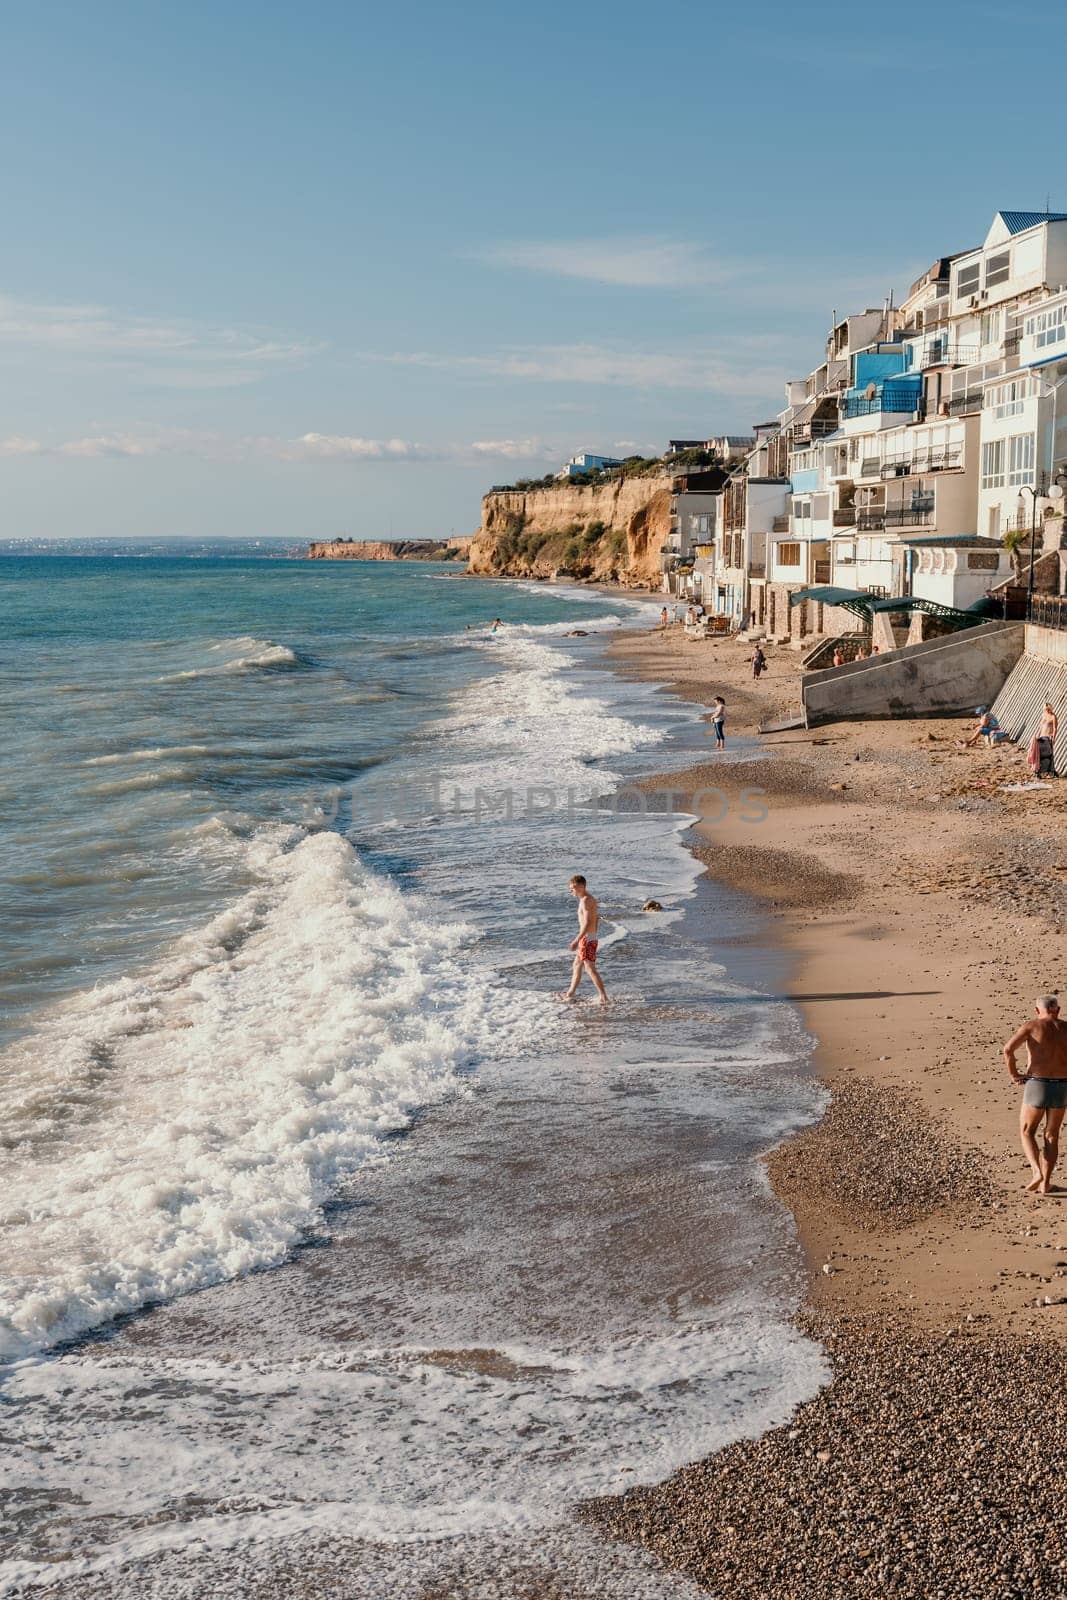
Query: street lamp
(1040, 491)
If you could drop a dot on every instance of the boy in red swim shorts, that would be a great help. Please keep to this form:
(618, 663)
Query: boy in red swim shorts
(585, 945)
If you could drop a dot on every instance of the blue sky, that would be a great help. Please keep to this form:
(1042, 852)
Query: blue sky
(337, 268)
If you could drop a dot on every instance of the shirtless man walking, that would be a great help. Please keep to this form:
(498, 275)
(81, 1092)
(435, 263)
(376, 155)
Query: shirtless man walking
(1044, 1087)
(585, 945)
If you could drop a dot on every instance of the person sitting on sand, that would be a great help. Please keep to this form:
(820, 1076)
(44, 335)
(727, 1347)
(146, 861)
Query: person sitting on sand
(988, 729)
(585, 945)
(1044, 1087)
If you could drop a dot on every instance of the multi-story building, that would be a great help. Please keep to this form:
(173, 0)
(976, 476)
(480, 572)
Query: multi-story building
(686, 554)
(931, 432)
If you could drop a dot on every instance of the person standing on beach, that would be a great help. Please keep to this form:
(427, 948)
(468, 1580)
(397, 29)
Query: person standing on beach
(663, 617)
(585, 945)
(718, 718)
(759, 662)
(1044, 1086)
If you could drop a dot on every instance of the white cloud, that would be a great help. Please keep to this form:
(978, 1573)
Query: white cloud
(307, 447)
(513, 449)
(342, 447)
(174, 354)
(693, 368)
(18, 445)
(628, 262)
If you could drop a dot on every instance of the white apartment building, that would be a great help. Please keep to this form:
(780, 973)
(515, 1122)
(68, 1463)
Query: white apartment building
(930, 432)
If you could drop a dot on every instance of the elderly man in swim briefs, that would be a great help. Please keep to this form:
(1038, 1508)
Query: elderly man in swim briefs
(1044, 1088)
(585, 945)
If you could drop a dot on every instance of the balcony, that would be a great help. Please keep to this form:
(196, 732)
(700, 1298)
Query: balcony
(921, 516)
(959, 403)
(870, 466)
(873, 518)
(780, 524)
(950, 355)
(923, 461)
(817, 428)
(1011, 344)
(904, 398)
(845, 517)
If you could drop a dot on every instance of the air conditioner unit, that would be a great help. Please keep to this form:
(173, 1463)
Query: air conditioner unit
(973, 301)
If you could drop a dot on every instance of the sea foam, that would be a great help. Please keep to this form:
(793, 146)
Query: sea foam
(175, 1129)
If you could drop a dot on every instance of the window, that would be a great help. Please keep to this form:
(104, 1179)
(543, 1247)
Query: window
(990, 327)
(788, 555)
(993, 526)
(703, 525)
(967, 280)
(1020, 459)
(998, 269)
(802, 508)
(993, 464)
(1047, 327)
(1006, 399)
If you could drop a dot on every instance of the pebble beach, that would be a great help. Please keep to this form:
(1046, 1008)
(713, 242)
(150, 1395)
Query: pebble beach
(921, 904)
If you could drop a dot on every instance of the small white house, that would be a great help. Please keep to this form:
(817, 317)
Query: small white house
(955, 569)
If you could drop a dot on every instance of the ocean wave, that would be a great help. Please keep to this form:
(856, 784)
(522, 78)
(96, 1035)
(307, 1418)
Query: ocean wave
(170, 1131)
(253, 655)
(115, 757)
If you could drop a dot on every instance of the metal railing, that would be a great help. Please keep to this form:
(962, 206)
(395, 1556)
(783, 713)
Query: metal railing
(923, 461)
(909, 516)
(957, 404)
(1049, 611)
(892, 398)
(1011, 344)
(950, 355)
(845, 517)
(876, 517)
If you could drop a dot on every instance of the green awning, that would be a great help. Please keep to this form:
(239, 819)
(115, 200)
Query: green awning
(828, 595)
(855, 600)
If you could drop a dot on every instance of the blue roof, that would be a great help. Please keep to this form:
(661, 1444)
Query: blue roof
(1019, 221)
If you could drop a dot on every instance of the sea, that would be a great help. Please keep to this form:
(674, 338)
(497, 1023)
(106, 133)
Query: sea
(337, 1256)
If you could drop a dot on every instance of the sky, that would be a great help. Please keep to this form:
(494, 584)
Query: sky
(335, 269)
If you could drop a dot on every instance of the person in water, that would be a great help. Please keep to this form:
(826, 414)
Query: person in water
(585, 945)
(1044, 1086)
(497, 624)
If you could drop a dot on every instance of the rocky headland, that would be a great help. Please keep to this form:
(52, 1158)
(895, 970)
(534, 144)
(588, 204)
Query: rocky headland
(610, 531)
(389, 550)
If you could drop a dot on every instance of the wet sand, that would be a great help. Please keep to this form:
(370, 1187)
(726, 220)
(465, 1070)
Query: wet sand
(922, 909)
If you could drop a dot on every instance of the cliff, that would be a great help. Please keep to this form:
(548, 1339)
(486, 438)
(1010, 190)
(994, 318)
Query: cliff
(389, 550)
(611, 530)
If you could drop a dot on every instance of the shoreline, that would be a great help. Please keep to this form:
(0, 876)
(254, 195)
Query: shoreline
(919, 907)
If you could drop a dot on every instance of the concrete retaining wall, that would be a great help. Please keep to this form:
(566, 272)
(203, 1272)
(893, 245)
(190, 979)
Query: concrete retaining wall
(937, 678)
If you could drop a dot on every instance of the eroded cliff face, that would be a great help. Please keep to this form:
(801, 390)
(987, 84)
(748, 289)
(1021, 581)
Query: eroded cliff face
(611, 531)
(388, 550)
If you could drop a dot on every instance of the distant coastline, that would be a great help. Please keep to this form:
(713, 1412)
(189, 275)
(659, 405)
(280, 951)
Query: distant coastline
(389, 550)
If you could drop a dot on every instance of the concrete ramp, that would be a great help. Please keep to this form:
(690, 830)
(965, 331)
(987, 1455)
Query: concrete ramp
(1039, 675)
(940, 677)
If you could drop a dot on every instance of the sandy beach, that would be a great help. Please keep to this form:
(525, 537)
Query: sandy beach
(922, 907)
